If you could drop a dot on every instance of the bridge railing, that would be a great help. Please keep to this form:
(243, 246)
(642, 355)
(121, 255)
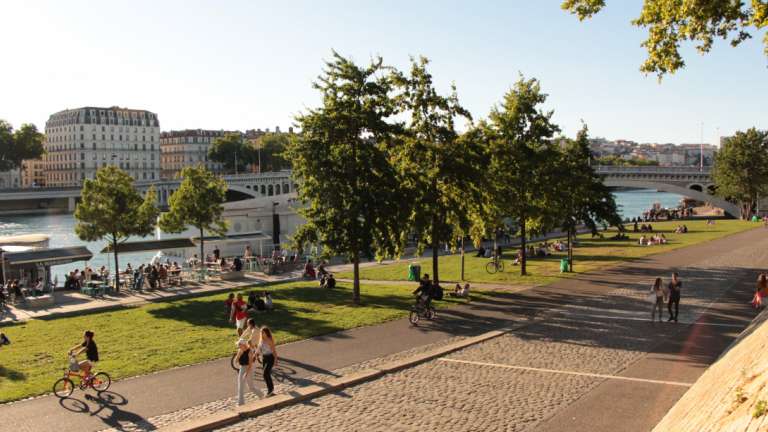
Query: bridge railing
(612, 169)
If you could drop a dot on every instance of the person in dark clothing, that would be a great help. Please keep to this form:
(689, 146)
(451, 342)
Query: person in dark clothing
(424, 291)
(237, 264)
(480, 252)
(91, 352)
(216, 253)
(675, 285)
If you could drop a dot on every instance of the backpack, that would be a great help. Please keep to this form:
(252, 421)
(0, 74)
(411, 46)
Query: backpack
(437, 293)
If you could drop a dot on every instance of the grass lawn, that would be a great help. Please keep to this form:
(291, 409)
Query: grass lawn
(163, 335)
(591, 254)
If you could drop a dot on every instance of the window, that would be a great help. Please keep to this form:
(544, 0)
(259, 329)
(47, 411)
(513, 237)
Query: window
(82, 156)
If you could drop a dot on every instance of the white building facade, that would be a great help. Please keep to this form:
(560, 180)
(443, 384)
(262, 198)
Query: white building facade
(80, 141)
(179, 149)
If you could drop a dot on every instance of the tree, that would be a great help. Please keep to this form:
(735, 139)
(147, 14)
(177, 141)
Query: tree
(351, 193)
(232, 151)
(618, 161)
(740, 172)
(519, 136)
(16, 146)
(583, 199)
(112, 209)
(671, 22)
(437, 169)
(198, 203)
(271, 147)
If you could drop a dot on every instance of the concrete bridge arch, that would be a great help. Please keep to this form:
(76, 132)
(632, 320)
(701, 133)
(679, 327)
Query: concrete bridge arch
(729, 208)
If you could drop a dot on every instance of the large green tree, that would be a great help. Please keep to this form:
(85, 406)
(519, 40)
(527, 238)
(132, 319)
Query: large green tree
(233, 152)
(198, 202)
(740, 172)
(672, 22)
(437, 169)
(581, 197)
(112, 209)
(352, 196)
(521, 154)
(19, 145)
(270, 148)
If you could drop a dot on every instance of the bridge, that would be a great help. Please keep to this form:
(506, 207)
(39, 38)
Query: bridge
(239, 187)
(690, 182)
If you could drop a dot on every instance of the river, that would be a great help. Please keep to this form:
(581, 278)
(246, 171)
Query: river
(61, 228)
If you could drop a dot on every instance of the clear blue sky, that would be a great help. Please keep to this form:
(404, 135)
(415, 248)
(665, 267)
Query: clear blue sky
(248, 64)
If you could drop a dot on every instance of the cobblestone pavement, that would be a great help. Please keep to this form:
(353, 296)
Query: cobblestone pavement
(592, 335)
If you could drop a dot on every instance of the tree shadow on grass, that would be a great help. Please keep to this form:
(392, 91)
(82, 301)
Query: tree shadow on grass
(293, 311)
(11, 374)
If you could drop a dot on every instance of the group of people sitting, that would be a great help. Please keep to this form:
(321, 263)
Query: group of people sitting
(460, 291)
(324, 276)
(76, 279)
(13, 289)
(681, 229)
(157, 274)
(255, 303)
(655, 239)
(225, 264)
(642, 228)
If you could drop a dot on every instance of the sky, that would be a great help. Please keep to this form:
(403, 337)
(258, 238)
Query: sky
(232, 64)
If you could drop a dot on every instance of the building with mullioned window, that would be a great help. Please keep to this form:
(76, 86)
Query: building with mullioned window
(82, 140)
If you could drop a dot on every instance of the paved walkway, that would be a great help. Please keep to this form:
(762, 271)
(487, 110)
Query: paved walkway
(593, 363)
(584, 332)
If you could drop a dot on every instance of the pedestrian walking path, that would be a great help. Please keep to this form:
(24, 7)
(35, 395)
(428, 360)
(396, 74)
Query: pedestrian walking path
(590, 324)
(71, 302)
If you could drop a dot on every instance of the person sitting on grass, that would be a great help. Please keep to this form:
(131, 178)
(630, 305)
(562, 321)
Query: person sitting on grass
(4, 339)
(329, 282)
(643, 241)
(460, 292)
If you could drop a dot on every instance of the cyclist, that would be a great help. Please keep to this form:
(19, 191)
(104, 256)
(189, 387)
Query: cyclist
(424, 292)
(91, 353)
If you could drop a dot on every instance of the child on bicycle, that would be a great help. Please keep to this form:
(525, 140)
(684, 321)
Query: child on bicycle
(91, 353)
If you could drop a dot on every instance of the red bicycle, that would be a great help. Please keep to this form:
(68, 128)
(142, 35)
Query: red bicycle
(64, 386)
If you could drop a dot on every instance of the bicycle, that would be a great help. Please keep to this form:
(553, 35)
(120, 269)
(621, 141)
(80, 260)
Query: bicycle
(419, 310)
(236, 365)
(64, 386)
(495, 265)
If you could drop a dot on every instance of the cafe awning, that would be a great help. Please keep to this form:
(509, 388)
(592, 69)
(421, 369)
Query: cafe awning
(48, 256)
(151, 245)
(236, 237)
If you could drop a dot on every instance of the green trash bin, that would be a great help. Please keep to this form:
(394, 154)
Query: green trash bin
(564, 265)
(414, 272)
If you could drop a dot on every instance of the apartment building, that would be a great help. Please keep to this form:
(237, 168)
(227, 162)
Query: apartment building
(82, 140)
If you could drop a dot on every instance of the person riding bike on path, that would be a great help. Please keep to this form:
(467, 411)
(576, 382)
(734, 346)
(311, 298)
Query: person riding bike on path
(424, 291)
(91, 353)
(239, 314)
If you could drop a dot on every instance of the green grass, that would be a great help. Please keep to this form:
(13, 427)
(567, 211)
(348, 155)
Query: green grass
(591, 254)
(163, 335)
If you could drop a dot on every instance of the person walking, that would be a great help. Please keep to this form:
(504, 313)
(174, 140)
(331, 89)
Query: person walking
(658, 291)
(244, 374)
(675, 285)
(266, 348)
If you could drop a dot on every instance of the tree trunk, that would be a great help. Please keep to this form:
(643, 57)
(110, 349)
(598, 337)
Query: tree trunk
(462, 258)
(202, 250)
(522, 247)
(571, 235)
(435, 251)
(117, 266)
(356, 280)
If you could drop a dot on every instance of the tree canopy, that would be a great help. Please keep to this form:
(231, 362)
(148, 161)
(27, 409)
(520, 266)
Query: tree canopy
(352, 195)
(672, 22)
(619, 161)
(16, 146)
(438, 172)
(740, 172)
(232, 151)
(271, 147)
(198, 203)
(521, 171)
(582, 199)
(112, 209)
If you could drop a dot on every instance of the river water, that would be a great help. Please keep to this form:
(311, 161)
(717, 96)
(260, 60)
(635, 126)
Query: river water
(61, 230)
